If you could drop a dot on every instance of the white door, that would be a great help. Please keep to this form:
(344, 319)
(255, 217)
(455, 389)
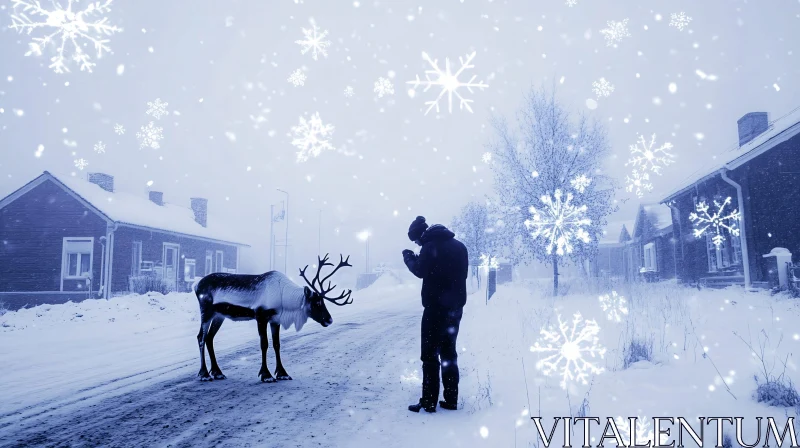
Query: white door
(171, 265)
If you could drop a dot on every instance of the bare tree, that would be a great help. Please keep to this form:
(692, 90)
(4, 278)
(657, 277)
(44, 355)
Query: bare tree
(474, 228)
(546, 172)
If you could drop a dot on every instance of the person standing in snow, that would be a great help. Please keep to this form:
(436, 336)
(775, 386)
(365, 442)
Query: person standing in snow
(442, 264)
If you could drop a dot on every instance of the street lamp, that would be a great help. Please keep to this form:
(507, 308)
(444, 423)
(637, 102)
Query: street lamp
(286, 235)
(364, 236)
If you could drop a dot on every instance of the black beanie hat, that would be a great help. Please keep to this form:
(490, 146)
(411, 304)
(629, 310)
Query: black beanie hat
(416, 228)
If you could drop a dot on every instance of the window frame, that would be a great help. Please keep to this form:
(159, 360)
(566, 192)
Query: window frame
(136, 265)
(209, 262)
(219, 256)
(186, 263)
(65, 274)
(650, 260)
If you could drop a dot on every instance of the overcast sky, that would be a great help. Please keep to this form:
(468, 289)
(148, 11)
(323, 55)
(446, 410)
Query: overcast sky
(220, 65)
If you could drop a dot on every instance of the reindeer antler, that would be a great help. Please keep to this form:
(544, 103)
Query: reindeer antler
(322, 290)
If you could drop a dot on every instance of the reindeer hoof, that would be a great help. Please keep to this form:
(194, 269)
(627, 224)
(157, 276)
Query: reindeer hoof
(219, 376)
(284, 377)
(268, 380)
(204, 376)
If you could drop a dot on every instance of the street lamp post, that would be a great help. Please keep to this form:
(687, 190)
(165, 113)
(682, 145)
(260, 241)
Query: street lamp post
(286, 235)
(364, 236)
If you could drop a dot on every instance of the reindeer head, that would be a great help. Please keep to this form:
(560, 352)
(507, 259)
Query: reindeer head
(316, 291)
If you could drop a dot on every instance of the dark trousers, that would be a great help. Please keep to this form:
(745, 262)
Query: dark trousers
(439, 333)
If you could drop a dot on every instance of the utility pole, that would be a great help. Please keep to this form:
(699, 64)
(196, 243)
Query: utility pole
(286, 237)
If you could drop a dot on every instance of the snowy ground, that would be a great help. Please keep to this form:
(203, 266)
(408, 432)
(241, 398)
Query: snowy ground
(122, 373)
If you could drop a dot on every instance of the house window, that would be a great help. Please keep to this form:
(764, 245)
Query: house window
(77, 257)
(650, 257)
(209, 262)
(218, 262)
(189, 270)
(136, 262)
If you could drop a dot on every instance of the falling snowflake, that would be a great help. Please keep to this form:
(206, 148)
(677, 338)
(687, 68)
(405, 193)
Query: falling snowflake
(157, 109)
(614, 305)
(149, 136)
(448, 81)
(679, 20)
(311, 137)
(714, 224)
(81, 164)
(580, 183)
(68, 27)
(99, 147)
(559, 223)
(297, 78)
(348, 91)
(648, 159)
(119, 129)
(602, 88)
(314, 41)
(638, 182)
(615, 32)
(643, 432)
(488, 262)
(571, 3)
(568, 348)
(487, 157)
(384, 87)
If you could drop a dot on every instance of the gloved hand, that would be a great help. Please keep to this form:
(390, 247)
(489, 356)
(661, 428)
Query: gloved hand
(407, 253)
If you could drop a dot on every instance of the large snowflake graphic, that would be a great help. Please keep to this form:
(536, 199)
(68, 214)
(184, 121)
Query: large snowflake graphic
(314, 41)
(614, 305)
(119, 129)
(615, 32)
(66, 28)
(311, 137)
(638, 182)
(150, 135)
(488, 262)
(349, 91)
(679, 20)
(157, 108)
(715, 224)
(448, 81)
(570, 349)
(647, 157)
(383, 87)
(99, 147)
(571, 3)
(602, 88)
(559, 223)
(580, 183)
(81, 164)
(486, 157)
(297, 78)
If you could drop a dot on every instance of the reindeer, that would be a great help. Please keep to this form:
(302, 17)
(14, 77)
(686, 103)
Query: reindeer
(270, 298)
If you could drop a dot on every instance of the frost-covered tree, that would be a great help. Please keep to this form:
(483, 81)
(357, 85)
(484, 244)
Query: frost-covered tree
(475, 228)
(551, 194)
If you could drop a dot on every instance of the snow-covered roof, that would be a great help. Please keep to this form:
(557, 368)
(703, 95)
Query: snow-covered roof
(778, 131)
(130, 209)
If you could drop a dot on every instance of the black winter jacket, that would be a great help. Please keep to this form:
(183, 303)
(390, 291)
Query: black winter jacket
(443, 265)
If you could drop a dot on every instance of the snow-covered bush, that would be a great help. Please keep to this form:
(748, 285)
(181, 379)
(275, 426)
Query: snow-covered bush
(771, 389)
(637, 349)
(142, 284)
(3, 308)
(779, 393)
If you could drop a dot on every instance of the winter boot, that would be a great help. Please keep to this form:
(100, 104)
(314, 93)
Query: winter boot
(449, 406)
(418, 406)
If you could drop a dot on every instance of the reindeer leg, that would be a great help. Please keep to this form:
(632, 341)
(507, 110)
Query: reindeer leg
(201, 342)
(212, 331)
(280, 372)
(266, 376)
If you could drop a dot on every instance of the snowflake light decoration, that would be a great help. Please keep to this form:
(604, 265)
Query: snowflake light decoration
(570, 350)
(81, 163)
(119, 129)
(448, 82)
(150, 135)
(638, 182)
(99, 147)
(383, 87)
(648, 158)
(314, 41)
(615, 32)
(348, 91)
(297, 78)
(580, 183)
(705, 222)
(643, 431)
(679, 20)
(602, 88)
(66, 29)
(559, 223)
(488, 262)
(486, 157)
(311, 137)
(157, 108)
(614, 305)
(571, 3)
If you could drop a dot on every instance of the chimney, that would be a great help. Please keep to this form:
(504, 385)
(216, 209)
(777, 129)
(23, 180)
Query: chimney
(751, 126)
(105, 181)
(200, 209)
(157, 197)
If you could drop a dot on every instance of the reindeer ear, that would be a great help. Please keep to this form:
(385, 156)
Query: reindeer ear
(307, 292)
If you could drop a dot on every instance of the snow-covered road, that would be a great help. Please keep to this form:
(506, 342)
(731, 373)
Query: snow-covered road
(340, 376)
